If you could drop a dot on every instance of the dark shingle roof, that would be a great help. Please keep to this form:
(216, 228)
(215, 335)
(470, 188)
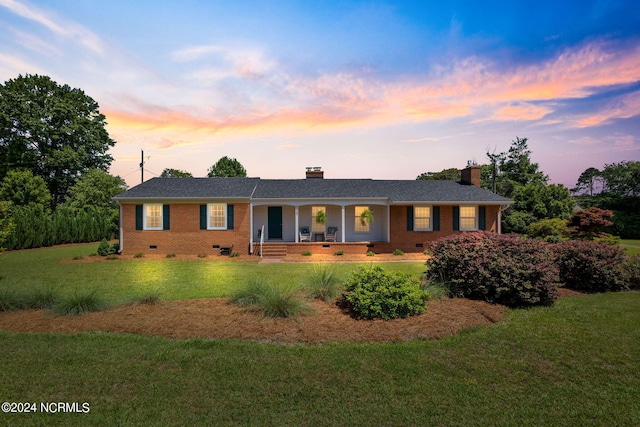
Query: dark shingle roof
(255, 188)
(196, 188)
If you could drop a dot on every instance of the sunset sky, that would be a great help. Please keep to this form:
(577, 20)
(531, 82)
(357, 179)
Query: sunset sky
(383, 90)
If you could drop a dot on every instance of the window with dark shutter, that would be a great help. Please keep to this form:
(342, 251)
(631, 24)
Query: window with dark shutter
(436, 218)
(166, 222)
(409, 218)
(230, 217)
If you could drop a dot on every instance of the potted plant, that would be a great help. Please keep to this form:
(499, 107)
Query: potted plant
(321, 217)
(366, 217)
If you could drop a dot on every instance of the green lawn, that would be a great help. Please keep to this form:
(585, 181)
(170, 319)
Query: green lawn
(120, 280)
(632, 246)
(577, 363)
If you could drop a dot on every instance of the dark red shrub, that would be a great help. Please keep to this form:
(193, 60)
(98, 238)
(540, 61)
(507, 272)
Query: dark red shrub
(590, 223)
(504, 269)
(590, 266)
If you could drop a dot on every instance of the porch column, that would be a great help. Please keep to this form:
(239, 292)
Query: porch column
(344, 233)
(388, 223)
(296, 222)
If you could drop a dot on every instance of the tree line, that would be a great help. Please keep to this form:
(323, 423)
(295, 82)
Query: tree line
(514, 175)
(54, 184)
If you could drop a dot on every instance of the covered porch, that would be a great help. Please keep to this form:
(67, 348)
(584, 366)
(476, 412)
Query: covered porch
(309, 223)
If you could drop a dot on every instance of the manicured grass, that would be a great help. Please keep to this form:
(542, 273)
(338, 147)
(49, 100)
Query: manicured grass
(632, 246)
(577, 363)
(119, 280)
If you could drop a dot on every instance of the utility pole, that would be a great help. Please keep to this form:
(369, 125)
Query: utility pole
(142, 166)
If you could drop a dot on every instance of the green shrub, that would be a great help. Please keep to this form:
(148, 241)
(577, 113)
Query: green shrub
(398, 252)
(550, 230)
(631, 272)
(270, 299)
(323, 283)
(503, 269)
(590, 266)
(104, 248)
(372, 292)
(339, 253)
(80, 303)
(371, 253)
(171, 255)
(112, 257)
(202, 255)
(139, 255)
(306, 253)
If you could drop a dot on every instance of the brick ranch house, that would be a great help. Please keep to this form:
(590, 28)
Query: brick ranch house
(280, 216)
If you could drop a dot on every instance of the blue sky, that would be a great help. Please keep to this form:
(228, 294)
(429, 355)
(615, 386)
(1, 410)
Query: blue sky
(384, 90)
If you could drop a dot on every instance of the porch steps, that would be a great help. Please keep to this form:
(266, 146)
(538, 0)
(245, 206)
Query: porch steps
(274, 250)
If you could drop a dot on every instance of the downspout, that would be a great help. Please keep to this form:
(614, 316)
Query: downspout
(250, 228)
(502, 208)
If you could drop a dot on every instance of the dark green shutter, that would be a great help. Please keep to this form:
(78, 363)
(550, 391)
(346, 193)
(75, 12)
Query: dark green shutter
(436, 218)
(409, 218)
(229, 217)
(138, 217)
(456, 218)
(203, 217)
(166, 222)
(482, 218)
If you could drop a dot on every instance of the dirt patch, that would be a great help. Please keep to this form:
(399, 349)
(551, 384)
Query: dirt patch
(215, 319)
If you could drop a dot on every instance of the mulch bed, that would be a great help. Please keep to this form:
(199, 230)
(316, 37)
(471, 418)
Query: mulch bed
(216, 318)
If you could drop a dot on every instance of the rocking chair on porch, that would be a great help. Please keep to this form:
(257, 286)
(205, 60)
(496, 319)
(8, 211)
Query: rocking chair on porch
(330, 236)
(305, 234)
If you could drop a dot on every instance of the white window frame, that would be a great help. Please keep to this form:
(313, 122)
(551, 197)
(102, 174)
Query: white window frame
(146, 216)
(416, 217)
(317, 227)
(475, 218)
(224, 216)
(357, 225)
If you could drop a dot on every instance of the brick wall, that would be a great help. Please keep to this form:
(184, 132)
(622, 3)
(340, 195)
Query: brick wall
(415, 241)
(184, 235)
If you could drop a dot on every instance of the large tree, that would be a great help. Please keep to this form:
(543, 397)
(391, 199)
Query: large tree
(453, 174)
(227, 167)
(588, 181)
(520, 179)
(175, 173)
(515, 168)
(22, 188)
(54, 131)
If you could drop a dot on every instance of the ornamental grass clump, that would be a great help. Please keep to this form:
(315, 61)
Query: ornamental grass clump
(504, 269)
(9, 300)
(42, 297)
(372, 292)
(323, 283)
(591, 266)
(270, 299)
(80, 303)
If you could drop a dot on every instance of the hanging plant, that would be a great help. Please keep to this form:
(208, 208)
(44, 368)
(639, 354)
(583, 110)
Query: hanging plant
(321, 217)
(366, 217)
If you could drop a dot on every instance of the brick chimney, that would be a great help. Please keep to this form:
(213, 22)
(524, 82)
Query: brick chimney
(314, 172)
(471, 174)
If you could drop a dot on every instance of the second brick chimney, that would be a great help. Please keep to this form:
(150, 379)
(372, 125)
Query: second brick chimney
(471, 175)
